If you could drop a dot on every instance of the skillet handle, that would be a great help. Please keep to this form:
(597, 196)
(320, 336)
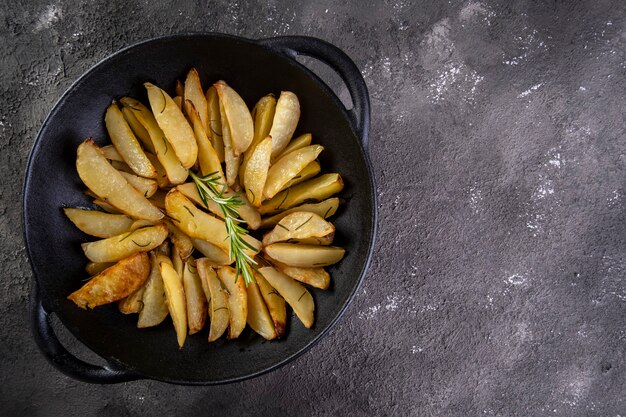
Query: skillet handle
(335, 58)
(63, 360)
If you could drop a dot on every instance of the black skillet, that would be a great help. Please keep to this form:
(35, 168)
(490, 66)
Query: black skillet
(253, 68)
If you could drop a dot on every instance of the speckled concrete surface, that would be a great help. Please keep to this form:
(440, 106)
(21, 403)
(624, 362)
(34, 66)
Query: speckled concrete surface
(498, 286)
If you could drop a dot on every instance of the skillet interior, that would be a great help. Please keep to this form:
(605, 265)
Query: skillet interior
(52, 183)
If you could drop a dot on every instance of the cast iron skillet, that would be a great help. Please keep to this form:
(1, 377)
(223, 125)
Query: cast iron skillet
(253, 68)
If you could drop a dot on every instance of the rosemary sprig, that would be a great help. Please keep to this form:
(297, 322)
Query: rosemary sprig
(210, 187)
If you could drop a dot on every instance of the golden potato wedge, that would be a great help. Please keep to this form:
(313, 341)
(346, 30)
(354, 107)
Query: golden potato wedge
(140, 132)
(97, 223)
(262, 114)
(155, 308)
(230, 159)
(161, 179)
(121, 246)
(133, 303)
(194, 222)
(215, 123)
(140, 224)
(307, 172)
(173, 124)
(106, 206)
(195, 94)
(315, 189)
(246, 212)
(94, 268)
(176, 172)
(158, 199)
(175, 296)
(255, 174)
(288, 167)
(218, 305)
(216, 255)
(121, 167)
(126, 143)
(114, 283)
(179, 88)
(182, 243)
(305, 256)
(315, 277)
(259, 317)
(275, 304)
(237, 300)
(111, 153)
(145, 186)
(298, 297)
(196, 301)
(108, 184)
(240, 124)
(299, 225)
(322, 240)
(297, 143)
(325, 209)
(207, 157)
(285, 121)
(178, 100)
(177, 263)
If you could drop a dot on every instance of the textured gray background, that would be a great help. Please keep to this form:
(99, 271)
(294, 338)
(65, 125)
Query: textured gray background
(498, 286)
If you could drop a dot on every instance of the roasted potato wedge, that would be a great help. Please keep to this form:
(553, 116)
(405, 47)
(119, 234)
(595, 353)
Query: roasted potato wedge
(285, 121)
(262, 114)
(259, 317)
(194, 222)
(94, 268)
(208, 160)
(246, 212)
(145, 186)
(315, 189)
(155, 308)
(240, 124)
(230, 159)
(114, 283)
(215, 122)
(126, 143)
(297, 143)
(121, 246)
(194, 93)
(177, 263)
(97, 223)
(218, 305)
(315, 277)
(133, 303)
(299, 225)
(176, 172)
(305, 256)
(178, 100)
(298, 297)
(324, 208)
(182, 243)
(307, 172)
(256, 171)
(140, 132)
(107, 207)
(175, 295)
(237, 300)
(108, 184)
(161, 179)
(275, 304)
(216, 255)
(111, 153)
(173, 124)
(288, 167)
(196, 301)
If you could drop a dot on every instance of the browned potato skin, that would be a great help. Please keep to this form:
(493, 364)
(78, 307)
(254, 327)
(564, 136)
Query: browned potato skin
(114, 283)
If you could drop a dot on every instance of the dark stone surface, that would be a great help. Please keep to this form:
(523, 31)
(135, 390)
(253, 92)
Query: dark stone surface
(498, 286)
